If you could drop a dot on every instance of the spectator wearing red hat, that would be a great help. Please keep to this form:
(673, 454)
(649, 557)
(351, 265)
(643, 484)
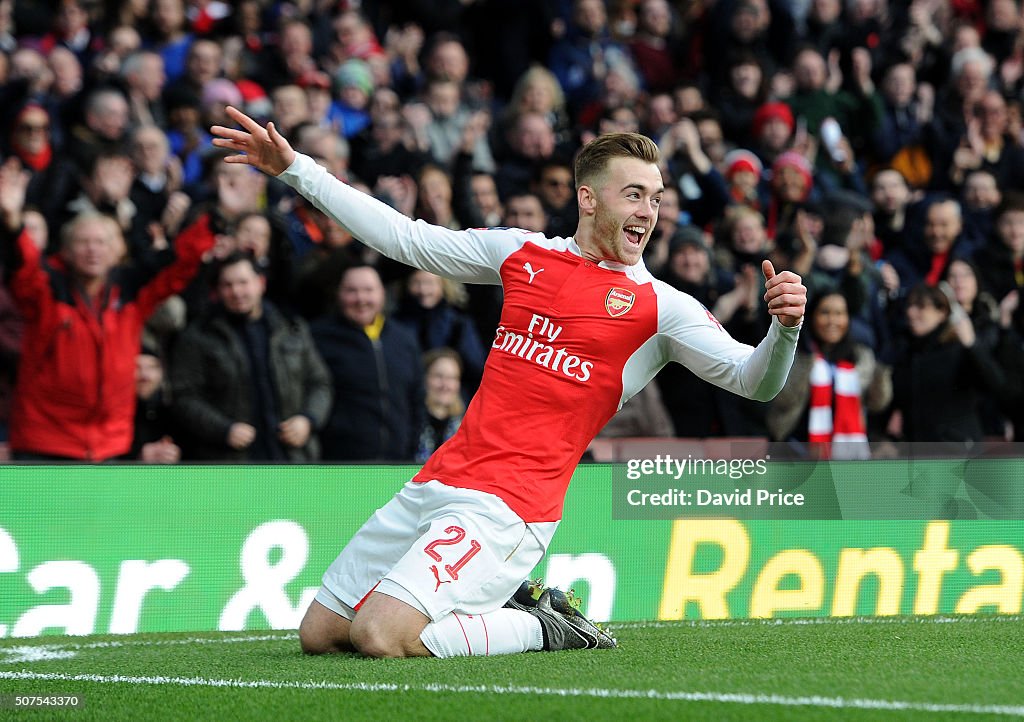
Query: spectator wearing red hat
(743, 172)
(772, 129)
(791, 183)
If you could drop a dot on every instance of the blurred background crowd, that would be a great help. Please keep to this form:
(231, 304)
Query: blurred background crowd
(157, 304)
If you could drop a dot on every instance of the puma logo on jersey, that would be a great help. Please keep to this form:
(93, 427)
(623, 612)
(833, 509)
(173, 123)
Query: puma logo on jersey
(437, 576)
(529, 269)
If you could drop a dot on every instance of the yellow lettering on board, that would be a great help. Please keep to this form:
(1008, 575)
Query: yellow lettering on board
(1006, 596)
(767, 598)
(707, 589)
(931, 562)
(855, 564)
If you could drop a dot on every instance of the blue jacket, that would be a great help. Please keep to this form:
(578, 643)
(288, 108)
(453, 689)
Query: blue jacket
(378, 391)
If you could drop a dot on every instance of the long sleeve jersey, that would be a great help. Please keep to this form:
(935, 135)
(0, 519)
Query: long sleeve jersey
(576, 339)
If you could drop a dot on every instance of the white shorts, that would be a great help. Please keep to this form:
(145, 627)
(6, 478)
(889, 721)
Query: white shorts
(439, 549)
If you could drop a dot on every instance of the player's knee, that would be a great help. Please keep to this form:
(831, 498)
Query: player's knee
(321, 632)
(374, 639)
(313, 643)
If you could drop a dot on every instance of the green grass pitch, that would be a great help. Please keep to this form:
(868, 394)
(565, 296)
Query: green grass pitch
(925, 668)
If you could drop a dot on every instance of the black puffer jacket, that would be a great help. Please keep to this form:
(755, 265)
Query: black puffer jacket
(212, 383)
(936, 381)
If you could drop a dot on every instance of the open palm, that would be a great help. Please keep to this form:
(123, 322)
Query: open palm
(262, 148)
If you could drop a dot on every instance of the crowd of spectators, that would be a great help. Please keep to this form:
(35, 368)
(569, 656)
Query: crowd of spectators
(874, 147)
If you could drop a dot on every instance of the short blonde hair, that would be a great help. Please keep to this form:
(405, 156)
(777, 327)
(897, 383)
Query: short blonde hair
(592, 161)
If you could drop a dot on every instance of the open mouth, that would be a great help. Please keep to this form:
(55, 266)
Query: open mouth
(634, 234)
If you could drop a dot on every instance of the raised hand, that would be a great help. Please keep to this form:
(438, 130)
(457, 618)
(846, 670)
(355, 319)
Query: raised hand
(13, 185)
(785, 294)
(262, 148)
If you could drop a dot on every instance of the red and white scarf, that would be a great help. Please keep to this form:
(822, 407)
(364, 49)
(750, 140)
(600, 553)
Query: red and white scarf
(835, 413)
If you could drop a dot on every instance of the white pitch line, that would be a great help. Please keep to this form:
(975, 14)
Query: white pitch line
(802, 621)
(601, 693)
(131, 642)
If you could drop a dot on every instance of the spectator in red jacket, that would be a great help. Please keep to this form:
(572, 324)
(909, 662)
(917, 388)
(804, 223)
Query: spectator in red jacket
(74, 397)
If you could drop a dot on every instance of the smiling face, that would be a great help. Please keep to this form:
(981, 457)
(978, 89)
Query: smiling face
(361, 295)
(623, 210)
(442, 382)
(831, 320)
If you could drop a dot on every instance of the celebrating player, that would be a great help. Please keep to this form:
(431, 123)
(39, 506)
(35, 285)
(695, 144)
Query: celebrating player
(584, 326)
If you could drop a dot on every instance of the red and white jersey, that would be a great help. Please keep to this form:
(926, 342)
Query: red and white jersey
(576, 340)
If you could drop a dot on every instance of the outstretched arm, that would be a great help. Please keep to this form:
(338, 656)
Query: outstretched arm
(696, 340)
(470, 256)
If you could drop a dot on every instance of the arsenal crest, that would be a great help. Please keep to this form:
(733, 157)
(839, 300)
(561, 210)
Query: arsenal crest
(618, 301)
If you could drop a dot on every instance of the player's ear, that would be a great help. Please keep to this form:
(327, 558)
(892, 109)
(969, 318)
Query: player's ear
(586, 198)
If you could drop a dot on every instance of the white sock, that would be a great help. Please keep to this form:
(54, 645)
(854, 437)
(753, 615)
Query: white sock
(503, 631)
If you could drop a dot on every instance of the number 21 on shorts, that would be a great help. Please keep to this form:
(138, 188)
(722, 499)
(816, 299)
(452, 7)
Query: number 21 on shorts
(458, 534)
